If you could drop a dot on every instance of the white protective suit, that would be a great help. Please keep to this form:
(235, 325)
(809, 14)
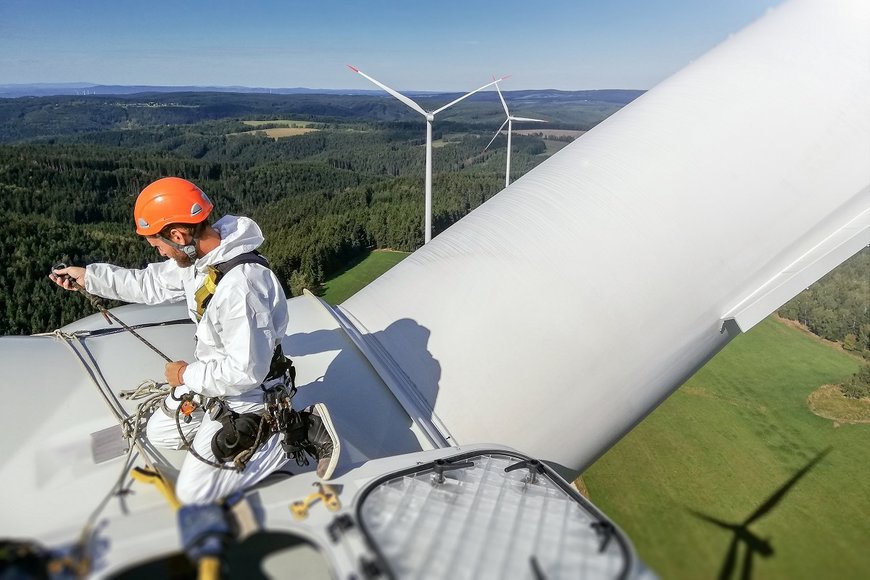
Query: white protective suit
(235, 340)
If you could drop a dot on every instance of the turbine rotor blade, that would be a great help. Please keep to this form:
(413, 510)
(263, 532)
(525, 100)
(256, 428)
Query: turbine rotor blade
(503, 104)
(496, 135)
(395, 93)
(466, 95)
(527, 119)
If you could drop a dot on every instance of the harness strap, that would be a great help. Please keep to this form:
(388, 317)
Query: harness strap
(217, 271)
(241, 434)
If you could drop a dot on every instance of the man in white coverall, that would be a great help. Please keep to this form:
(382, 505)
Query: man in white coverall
(238, 329)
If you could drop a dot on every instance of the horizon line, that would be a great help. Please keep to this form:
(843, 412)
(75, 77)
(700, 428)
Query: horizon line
(89, 85)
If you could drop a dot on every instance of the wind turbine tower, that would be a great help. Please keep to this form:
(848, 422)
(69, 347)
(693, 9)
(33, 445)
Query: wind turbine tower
(509, 122)
(430, 116)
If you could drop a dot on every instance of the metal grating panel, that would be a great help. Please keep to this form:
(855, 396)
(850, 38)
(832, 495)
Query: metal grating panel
(481, 522)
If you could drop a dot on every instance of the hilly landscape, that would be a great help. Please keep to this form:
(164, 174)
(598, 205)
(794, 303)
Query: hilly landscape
(327, 176)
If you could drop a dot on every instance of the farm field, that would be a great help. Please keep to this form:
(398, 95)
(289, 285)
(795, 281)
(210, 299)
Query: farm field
(279, 132)
(550, 132)
(288, 128)
(724, 443)
(284, 122)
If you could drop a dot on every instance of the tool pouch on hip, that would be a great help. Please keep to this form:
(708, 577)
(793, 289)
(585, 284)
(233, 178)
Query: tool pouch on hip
(238, 433)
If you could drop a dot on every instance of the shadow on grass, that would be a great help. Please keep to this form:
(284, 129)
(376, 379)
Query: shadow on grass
(742, 534)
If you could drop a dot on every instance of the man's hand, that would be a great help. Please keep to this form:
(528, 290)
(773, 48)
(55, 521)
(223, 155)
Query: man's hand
(67, 277)
(175, 373)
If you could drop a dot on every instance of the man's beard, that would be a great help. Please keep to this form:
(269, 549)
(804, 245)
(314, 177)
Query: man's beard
(183, 261)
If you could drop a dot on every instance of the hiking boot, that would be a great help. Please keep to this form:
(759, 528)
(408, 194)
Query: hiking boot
(323, 441)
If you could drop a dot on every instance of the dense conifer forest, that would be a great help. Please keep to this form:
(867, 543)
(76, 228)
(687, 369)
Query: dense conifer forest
(71, 167)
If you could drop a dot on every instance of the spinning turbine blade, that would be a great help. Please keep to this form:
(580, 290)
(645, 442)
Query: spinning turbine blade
(451, 103)
(395, 93)
(503, 104)
(496, 135)
(527, 119)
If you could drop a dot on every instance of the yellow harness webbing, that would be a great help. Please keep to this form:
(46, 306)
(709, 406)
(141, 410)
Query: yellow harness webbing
(216, 272)
(155, 478)
(206, 291)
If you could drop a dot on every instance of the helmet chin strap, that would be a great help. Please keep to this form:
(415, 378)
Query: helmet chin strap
(188, 249)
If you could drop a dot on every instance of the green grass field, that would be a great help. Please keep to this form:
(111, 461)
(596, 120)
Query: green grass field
(346, 284)
(725, 442)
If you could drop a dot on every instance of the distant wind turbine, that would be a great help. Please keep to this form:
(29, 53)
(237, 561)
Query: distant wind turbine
(509, 122)
(430, 116)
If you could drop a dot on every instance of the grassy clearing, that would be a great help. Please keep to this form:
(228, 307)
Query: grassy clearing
(828, 402)
(551, 132)
(724, 443)
(284, 122)
(286, 128)
(280, 132)
(358, 275)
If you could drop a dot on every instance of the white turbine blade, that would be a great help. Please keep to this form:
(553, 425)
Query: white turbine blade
(503, 104)
(451, 103)
(396, 94)
(527, 119)
(496, 135)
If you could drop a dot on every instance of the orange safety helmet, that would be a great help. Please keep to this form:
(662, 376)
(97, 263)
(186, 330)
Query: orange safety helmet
(170, 200)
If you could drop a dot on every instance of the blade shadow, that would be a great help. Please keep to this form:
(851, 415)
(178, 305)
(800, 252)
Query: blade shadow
(753, 544)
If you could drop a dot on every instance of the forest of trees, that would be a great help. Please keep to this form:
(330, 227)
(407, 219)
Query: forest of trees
(837, 307)
(322, 199)
(71, 167)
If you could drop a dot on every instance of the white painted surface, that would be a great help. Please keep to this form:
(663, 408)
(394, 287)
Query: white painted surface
(557, 315)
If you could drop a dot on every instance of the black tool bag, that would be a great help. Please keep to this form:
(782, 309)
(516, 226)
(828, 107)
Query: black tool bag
(239, 432)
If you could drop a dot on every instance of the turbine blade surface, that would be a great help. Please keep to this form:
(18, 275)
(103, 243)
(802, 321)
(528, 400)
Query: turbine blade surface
(496, 135)
(503, 103)
(465, 96)
(393, 92)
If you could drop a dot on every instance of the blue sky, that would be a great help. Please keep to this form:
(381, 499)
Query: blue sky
(434, 45)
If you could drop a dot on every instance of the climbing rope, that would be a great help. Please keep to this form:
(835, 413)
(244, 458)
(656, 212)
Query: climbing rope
(130, 428)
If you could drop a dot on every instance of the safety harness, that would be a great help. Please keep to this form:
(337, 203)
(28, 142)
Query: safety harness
(241, 434)
(217, 271)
